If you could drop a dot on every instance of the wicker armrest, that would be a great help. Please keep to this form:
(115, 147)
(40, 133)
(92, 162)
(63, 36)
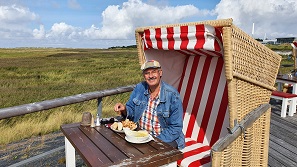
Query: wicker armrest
(239, 128)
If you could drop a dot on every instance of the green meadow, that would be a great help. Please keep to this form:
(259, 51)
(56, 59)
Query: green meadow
(30, 75)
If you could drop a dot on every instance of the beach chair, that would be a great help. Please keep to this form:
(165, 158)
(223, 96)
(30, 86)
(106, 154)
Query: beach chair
(225, 78)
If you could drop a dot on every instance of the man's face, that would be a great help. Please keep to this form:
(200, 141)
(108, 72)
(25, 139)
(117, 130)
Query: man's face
(152, 76)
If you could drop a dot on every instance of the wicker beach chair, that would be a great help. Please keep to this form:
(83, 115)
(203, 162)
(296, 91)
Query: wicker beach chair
(225, 79)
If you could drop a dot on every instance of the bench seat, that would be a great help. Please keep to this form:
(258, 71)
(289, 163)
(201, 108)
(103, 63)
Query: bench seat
(287, 99)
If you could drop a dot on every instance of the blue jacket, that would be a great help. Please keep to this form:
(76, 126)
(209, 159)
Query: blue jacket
(169, 111)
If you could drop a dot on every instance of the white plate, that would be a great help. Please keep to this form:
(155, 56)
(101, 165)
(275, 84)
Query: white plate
(139, 142)
(119, 131)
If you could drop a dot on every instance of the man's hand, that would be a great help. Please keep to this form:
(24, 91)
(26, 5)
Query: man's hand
(120, 109)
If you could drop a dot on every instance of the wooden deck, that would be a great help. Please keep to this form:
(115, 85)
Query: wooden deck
(283, 139)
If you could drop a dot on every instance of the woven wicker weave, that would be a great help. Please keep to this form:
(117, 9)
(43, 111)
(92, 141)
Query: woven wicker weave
(251, 70)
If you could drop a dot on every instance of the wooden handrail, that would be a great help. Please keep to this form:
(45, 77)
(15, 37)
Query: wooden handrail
(58, 102)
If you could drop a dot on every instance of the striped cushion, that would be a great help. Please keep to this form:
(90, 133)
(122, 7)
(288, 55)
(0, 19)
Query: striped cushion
(205, 100)
(195, 154)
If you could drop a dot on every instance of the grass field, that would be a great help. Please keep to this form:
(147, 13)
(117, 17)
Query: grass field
(32, 75)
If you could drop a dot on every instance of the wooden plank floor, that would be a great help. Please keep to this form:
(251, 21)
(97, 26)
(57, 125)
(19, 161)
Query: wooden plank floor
(283, 139)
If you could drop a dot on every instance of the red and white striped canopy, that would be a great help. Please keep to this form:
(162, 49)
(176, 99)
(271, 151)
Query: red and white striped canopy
(190, 40)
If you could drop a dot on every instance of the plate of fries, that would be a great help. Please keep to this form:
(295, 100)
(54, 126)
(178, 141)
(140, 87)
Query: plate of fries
(118, 126)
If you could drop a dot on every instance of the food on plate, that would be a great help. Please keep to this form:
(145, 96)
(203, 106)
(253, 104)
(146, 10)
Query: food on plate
(141, 135)
(114, 126)
(124, 124)
(120, 126)
(129, 124)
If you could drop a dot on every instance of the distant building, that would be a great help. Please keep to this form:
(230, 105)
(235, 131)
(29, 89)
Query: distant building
(269, 41)
(285, 40)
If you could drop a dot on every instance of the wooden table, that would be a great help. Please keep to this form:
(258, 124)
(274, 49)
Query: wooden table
(100, 146)
(284, 78)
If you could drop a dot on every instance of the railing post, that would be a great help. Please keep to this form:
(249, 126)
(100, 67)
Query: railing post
(99, 107)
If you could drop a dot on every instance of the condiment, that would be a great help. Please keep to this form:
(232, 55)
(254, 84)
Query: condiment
(92, 122)
(97, 120)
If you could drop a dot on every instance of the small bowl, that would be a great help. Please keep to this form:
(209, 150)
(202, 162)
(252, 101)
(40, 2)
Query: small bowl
(139, 136)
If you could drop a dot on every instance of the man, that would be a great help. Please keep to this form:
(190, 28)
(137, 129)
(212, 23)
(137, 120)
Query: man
(156, 106)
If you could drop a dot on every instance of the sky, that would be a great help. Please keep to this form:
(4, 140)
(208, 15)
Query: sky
(108, 23)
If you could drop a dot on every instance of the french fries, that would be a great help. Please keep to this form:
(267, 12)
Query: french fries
(129, 124)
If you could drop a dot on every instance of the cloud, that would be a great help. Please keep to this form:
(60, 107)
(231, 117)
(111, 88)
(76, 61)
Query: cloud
(16, 14)
(119, 22)
(62, 31)
(275, 18)
(14, 20)
(59, 33)
(39, 34)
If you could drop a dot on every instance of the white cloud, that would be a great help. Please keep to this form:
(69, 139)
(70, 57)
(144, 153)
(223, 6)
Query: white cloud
(119, 22)
(39, 34)
(14, 20)
(16, 14)
(276, 18)
(62, 31)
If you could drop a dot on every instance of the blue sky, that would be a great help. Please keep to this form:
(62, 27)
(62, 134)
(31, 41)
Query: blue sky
(106, 23)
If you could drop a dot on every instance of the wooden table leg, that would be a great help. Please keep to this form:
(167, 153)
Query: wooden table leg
(69, 153)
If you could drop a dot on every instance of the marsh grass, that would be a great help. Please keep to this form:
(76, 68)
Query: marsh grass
(286, 60)
(284, 46)
(32, 75)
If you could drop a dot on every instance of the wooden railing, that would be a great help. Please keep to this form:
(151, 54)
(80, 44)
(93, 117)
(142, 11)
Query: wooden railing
(58, 102)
